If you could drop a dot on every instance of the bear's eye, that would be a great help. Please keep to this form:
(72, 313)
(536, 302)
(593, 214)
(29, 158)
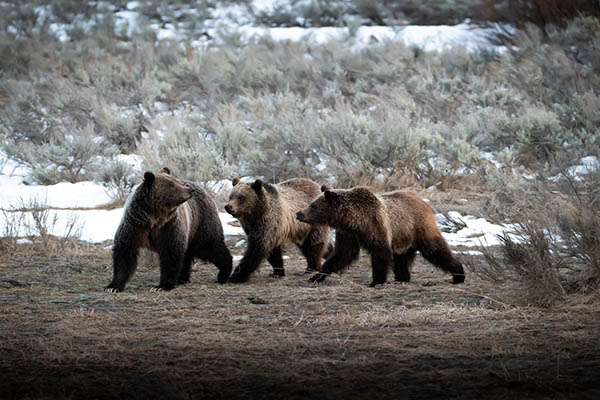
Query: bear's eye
(241, 198)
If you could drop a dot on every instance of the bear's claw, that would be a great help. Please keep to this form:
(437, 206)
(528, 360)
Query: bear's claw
(236, 277)
(318, 277)
(162, 288)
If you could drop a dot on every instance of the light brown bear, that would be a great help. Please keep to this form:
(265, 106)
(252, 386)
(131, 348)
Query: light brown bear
(176, 219)
(267, 214)
(391, 226)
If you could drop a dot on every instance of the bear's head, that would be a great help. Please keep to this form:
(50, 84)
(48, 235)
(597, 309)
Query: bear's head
(248, 199)
(164, 193)
(341, 208)
(323, 209)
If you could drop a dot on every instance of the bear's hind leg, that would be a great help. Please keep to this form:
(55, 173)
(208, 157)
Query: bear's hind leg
(221, 257)
(381, 258)
(402, 264)
(172, 260)
(437, 252)
(276, 261)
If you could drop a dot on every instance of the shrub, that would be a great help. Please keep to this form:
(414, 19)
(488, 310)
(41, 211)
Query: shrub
(556, 250)
(119, 175)
(68, 156)
(39, 221)
(189, 150)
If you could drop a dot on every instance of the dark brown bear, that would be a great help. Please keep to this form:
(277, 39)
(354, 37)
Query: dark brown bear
(176, 219)
(268, 215)
(391, 226)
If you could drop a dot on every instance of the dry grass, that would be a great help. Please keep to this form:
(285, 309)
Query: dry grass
(62, 337)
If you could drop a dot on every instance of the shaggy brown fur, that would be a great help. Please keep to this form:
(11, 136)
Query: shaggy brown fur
(267, 214)
(391, 226)
(176, 219)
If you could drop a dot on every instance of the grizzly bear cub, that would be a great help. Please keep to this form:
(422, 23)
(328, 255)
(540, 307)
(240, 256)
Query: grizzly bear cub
(176, 219)
(267, 215)
(391, 226)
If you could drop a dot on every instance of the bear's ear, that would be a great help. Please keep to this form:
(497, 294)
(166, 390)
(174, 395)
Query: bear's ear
(324, 188)
(332, 197)
(257, 185)
(235, 181)
(148, 178)
(166, 170)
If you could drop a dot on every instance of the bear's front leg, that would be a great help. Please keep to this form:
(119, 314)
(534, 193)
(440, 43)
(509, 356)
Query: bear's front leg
(249, 263)
(125, 255)
(345, 251)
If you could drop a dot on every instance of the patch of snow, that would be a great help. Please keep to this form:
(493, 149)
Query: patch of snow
(267, 5)
(133, 5)
(167, 33)
(126, 22)
(477, 232)
(228, 17)
(228, 229)
(12, 168)
(93, 225)
(588, 165)
(133, 160)
(442, 37)
(429, 38)
(13, 194)
(470, 252)
(490, 157)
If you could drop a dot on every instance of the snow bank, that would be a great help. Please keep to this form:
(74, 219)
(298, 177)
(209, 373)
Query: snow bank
(88, 225)
(429, 38)
(93, 226)
(588, 165)
(234, 18)
(477, 232)
(14, 194)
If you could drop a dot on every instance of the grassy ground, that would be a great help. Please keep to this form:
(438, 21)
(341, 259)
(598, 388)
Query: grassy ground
(62, 337)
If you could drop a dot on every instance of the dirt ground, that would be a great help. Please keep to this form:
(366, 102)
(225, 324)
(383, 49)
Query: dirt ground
(62, 337)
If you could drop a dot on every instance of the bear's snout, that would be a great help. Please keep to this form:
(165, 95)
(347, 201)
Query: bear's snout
(229, 209)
